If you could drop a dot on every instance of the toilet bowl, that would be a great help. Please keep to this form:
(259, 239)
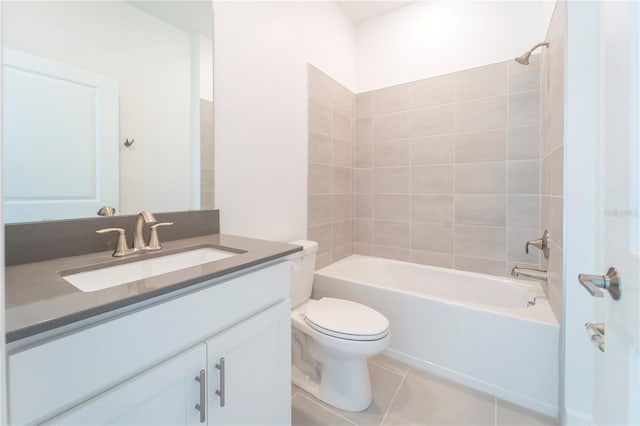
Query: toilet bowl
(332, 339)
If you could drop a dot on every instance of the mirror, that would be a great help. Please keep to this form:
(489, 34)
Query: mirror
(106, 103)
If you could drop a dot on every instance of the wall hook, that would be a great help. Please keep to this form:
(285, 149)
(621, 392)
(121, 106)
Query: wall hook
(128, 142)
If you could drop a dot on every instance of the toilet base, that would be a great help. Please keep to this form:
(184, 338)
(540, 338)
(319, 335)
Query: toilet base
(344, 384)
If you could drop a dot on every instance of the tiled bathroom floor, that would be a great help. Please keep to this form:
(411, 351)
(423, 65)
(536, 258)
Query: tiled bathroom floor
(405, 396)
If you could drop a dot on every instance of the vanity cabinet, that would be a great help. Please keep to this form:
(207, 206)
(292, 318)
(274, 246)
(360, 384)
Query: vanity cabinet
(141, 367)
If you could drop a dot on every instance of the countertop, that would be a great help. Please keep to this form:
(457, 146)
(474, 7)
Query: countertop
(39, 300)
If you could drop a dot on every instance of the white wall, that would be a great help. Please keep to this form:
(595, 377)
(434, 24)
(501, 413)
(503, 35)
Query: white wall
(260, 84)
(151, 61)
(427, 39)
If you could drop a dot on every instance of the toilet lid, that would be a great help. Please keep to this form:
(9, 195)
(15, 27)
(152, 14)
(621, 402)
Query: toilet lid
(346, 319)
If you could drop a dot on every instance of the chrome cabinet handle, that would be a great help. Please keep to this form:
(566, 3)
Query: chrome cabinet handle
(610, 282)
(220, 392)
(202, 406)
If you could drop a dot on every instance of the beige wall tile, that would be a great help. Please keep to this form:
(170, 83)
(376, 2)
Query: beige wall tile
(343, 99)
(524, 108)
(485, 145)
(320, 86)
(483, 266)
(524, 177)
(342, 180)
(319, 209)
(433, 91)
(489, 210)
(392, 153)
(394, 253)
(391, 99)
(342, 127)
(483, 178)
(364, 105)
(481, 242)
(364, 231)
(524, 143)
(392, 126)
(364, 205)
(364, 130)
(556, 178)
(435, 237)
(363, 181)
(545, 212)
(320, 148)
(206, 180)
(342, 153)
(516, 239)
(432, 150)
(320, 118)
(396, 207)
(524, 77)
(432, 179)
(483, 114)
(392, 180)
(321, 234)
(363, 249)
(341, 206)
(341, 233)
(319, 178)
(442, 260)
(431, 121)
(481, 82)
(555, 220)
(323, 259)
(341, 252)
(391, 234)
(436, 208)
(523, 211)
(364, 155)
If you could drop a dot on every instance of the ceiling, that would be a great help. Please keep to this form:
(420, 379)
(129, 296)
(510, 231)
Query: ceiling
(364, 10)
(192, 16)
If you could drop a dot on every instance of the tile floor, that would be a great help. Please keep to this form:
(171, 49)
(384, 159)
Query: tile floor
(405, 396)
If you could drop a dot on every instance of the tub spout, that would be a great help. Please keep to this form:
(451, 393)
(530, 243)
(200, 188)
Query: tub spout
(538, 274)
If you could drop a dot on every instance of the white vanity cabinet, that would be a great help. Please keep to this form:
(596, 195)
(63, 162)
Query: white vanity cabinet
(141, 368)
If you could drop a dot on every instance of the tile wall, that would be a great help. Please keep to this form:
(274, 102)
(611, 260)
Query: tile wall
(447, 169)
(552, 100)
(330, 179)
(206, 154)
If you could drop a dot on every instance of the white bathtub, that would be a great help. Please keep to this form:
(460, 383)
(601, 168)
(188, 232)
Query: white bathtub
(482, 331)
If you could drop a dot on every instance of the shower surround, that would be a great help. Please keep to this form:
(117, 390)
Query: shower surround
(446, 170)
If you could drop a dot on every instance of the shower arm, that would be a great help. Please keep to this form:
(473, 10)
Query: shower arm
(544, 43)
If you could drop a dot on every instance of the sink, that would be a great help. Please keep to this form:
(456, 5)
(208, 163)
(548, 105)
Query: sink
(111, 276)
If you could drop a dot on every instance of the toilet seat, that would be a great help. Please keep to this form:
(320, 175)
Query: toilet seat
(346, 320)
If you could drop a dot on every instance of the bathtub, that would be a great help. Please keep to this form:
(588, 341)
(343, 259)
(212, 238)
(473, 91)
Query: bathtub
(493, 334)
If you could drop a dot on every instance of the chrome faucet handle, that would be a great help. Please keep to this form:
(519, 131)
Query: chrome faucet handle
(154, 241)
(121, 248)
(540, 243)
(138, 232)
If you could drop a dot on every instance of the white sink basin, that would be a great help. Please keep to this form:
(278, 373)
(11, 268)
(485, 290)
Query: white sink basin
(111, 276)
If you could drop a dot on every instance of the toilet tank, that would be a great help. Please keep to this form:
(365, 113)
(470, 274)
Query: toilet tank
(303, 265)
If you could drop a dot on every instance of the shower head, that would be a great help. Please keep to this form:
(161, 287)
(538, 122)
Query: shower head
(524, 59)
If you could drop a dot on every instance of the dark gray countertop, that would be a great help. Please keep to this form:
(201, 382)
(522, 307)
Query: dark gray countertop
(39, 300)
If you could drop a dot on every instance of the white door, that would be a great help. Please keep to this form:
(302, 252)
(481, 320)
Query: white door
(617, 376)
(60, 139)
(250, 371)
(164, 395)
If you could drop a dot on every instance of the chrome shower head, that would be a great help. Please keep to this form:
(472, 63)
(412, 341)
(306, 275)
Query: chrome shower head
(524, 59)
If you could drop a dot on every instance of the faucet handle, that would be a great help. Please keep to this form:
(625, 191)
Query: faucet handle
(154, 241)
(540, 243)
(121, 248)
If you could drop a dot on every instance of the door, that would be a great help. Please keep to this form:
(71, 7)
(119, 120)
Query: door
(68, 163)
(164, 395)
(617, 370)
(249, 367)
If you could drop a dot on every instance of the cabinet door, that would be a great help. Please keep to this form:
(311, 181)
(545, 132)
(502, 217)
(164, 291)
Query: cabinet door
(164, 395)
(249, 368)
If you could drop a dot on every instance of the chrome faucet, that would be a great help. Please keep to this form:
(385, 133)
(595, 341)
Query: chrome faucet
(537, 274)
(138, 231)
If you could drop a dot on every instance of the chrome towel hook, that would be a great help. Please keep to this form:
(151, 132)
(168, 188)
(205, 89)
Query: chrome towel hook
(128, 142)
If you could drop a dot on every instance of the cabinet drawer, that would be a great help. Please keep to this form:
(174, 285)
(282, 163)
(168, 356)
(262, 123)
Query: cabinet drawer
(47, 379)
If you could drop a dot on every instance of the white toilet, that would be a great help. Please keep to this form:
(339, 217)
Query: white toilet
(331, 339)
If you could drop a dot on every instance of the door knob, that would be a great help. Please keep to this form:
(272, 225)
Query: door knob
(610, 282)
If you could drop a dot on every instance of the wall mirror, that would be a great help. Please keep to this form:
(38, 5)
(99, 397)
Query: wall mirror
(106, 103)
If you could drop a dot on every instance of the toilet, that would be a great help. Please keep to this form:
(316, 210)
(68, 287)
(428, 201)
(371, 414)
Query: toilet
(331, 339)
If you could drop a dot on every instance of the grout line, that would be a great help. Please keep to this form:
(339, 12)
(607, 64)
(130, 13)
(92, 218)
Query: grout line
(327, 409)
(395, 395)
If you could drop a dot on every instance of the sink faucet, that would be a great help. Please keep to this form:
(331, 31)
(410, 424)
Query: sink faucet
(138, 232)
(538, 274)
